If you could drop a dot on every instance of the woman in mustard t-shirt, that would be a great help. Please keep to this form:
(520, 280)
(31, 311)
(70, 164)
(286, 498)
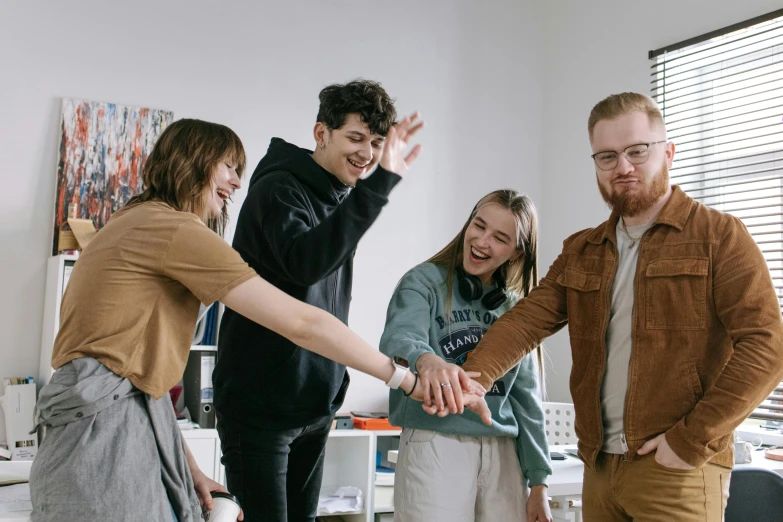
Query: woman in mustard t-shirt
(112, 449)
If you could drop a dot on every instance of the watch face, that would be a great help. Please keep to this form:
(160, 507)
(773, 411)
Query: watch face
(399, 361)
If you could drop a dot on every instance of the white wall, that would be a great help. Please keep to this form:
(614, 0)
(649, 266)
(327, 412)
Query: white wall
(506, 87)
(258, 67)
(483, 134)
(595, 49)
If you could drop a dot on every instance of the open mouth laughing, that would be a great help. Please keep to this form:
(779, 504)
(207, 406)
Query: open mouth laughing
(477, 256)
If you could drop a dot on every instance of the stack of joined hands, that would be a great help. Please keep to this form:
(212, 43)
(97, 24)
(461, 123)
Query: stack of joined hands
(446, 388)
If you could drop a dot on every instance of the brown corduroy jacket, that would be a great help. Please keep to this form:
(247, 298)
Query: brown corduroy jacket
(707, 331)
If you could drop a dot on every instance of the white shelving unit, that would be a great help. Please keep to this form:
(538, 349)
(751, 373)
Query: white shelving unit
(350, 461)
(57, 274)
(387, 441)
(387, 433)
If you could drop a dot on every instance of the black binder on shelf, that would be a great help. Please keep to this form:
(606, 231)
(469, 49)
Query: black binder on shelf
(197, 382)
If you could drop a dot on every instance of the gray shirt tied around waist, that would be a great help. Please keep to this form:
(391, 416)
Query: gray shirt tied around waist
(110, 452)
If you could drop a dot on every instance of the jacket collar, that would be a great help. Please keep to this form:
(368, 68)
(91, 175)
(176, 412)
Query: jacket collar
(674, 214)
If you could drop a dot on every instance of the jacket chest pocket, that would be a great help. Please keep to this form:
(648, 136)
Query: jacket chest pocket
(676, 294)
(584, 303)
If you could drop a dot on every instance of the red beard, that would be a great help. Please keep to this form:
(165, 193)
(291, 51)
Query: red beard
(632, 204)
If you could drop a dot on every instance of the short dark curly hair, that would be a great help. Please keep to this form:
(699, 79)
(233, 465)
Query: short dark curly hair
(366, 98)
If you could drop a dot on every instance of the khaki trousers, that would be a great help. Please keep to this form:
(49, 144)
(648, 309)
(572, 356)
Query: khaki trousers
(641, 490)
(443, 478)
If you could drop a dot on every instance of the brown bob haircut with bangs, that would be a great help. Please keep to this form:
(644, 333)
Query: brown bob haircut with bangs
(179, 170)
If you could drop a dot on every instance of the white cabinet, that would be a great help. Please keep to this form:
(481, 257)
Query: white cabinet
(387, 442)
(350, 461)
(205, 447)
(58, 271)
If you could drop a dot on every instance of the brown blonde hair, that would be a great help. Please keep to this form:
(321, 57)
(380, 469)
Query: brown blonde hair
(621, 104)
(182, 163)
(521, 275)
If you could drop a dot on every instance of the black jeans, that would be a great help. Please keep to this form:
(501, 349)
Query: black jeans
(276, 474)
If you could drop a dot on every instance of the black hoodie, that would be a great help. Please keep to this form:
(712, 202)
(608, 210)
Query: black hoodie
(298, 228)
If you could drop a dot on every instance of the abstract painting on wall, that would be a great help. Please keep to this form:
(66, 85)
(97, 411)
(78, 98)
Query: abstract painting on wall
(103, 147)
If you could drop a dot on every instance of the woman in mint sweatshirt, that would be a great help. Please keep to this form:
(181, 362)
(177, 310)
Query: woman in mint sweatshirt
(455, 468)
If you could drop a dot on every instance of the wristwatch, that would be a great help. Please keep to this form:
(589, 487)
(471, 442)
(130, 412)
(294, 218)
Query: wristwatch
(397, 377)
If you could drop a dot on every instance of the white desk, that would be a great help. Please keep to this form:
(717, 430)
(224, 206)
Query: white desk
(754, 434)
(760, 461)
(16, 470)
(567, 474)
(566, 479)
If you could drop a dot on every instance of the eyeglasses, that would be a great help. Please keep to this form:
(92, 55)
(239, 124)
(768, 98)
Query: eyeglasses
(635, 154)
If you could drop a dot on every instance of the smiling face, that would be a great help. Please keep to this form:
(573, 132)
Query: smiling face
(350, 152)
(225, 181)
(490, 240)
(632, 189)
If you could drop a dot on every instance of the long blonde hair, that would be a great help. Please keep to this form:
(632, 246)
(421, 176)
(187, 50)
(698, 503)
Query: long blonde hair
(520, 275)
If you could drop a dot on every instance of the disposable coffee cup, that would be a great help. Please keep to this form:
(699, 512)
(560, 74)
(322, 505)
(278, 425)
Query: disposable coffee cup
(226, 508)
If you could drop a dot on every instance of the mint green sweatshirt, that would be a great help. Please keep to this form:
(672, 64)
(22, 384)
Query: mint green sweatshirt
(416, 324)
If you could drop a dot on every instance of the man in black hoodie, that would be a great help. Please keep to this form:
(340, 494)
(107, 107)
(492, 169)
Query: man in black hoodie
(299, 226)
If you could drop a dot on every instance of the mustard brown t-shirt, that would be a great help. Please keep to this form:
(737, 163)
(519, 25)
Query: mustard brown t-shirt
(133, 297)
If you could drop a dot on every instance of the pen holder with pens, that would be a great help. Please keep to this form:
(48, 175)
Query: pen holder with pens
(18, 405)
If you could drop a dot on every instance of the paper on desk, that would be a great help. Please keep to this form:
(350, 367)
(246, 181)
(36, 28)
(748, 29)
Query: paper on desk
(15, 498)
(14, 472)
(344, 499)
